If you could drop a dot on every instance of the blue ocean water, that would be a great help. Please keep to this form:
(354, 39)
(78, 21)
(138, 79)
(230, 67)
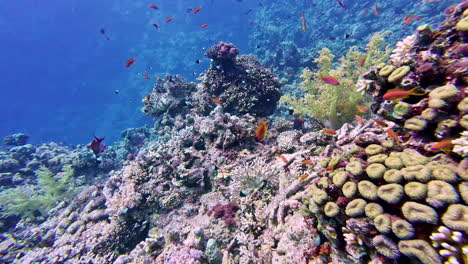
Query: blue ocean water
(60, 74)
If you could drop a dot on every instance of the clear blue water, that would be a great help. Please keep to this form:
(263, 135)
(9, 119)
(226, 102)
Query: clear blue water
(60, 74)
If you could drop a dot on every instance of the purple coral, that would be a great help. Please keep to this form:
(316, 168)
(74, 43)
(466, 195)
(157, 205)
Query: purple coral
(222, 53)
(225, 212)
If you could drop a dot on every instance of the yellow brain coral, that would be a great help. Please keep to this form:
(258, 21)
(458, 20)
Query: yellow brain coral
(415, 212)
(421, 250)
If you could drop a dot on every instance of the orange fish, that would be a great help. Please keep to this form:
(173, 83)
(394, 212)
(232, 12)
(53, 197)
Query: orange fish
(444, 145)
(169, 19)
(330, 80)
(362, 61)
(359, 119)
(304, 24)
(307, 162)
(204, 25)
(154, 7)
(361, 108)
(397, 94)
(147, 99)
(393, 135)
(196, 10)
(380, 122)
(410, 18)
(216, 100)
(329, 131)
(303, 177)
(376, 10)
(284, 159)
(130, 62)
(262, 130)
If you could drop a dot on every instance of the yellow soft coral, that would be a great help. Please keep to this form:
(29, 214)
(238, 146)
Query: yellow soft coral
(337, 104)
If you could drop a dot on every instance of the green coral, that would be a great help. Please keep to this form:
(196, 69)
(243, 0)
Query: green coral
(25, 201)
(336, 105)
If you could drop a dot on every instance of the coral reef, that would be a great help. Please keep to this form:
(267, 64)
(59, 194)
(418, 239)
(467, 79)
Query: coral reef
(199, 187)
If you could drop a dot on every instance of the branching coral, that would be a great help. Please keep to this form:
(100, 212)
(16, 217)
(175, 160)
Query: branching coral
(337, 104)
(25, 201)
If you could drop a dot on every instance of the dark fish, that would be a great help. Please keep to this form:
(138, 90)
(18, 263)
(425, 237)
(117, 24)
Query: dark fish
(102, 31)
(258, 46)
(346, 36)
(188, 10)
(97, 146)
(331, 38)
(116, 91)
(248, 11)
(197, 61)
(291, 111)
(340, 2)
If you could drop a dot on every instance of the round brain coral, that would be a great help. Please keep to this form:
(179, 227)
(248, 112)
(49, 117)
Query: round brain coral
(441, 193)
(375, 170)
(418, 172)
(385, 246)
(415, 190)
(349, 189)
(379, 158)
(391, 193)
(367, 190)
(403, 229)
(355, 207)
(386, 70)
(421, 250)
(331, 209)
(415, 212)
(398, 74)
(339, 178)
(393, 163)
(373, 209)
(393, 176)
(383, 223)
(374, 149)
(443, 172)
(354, 167)
(456, 217)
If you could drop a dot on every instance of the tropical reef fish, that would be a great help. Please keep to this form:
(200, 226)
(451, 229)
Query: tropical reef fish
(362, 61)
(330, 80)
(397, 94)
(155, 25)
(360, 120)
(284, 159)
(216, 100)
(262, 130)
(130, 62)
(380, 122)
(97, 146)
(146, 76)
(304, 24)
(307, 162)
(196, 10)
(393, 135)
(329, 131)
(444, 145)
(154, 7)
(248, 11)
(376, 10)
(169, 19)
(361, 108)
(340, 2)
(204, 25)
(410, 18)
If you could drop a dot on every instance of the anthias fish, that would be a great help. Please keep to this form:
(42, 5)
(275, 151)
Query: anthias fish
(169, 19)
(262, 130)
(444, 145)
(154, 7)
(130, 62)
(410, 18)
(397, 94)
(304, 23)
(330, 80)
(97, 146)
(204, 25)
(196, 10)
